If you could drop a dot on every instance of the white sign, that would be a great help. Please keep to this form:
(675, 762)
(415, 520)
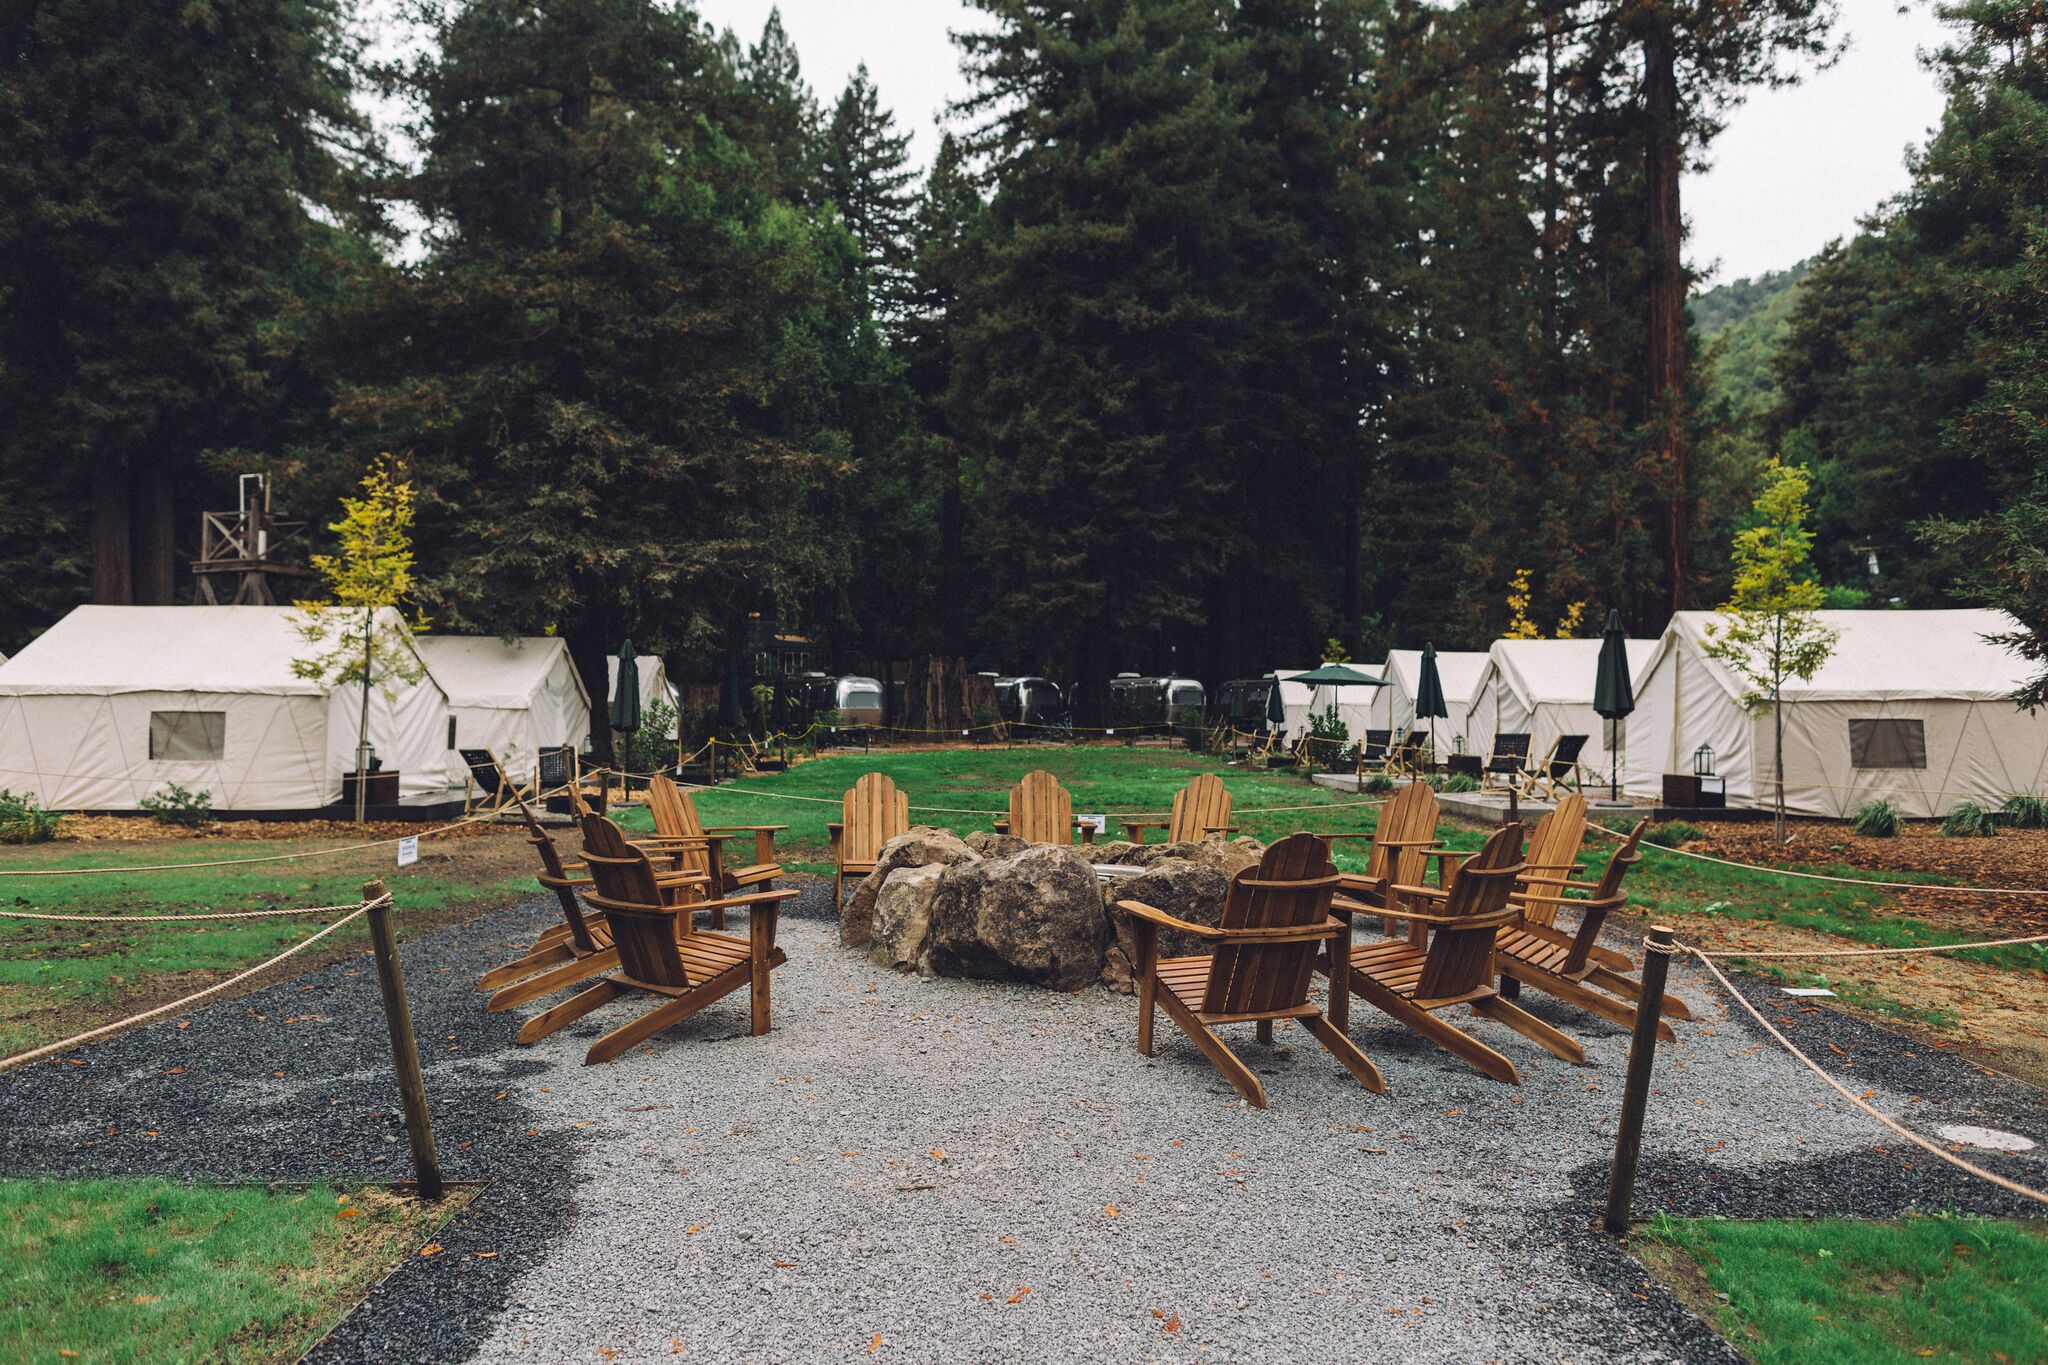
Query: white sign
(1098, 823)
(1110, 731)
(1807, 990)
(408, 850)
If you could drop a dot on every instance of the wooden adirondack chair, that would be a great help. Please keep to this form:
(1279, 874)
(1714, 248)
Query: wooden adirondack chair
(1042, 812)
(1554, 847)
(872, 814)
(1201, 808)
(495, 788)
(1401, 842)
(660, 951)
(1412, 983)
(702, 849)
(1573, 966)
(1276, 917)
(1558, 771)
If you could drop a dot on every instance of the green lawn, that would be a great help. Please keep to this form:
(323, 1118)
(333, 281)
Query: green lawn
(55, 975)
(152, 1270)
(1861, 1293)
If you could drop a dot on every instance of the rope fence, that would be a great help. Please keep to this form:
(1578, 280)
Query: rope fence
(1830, 877)
(361, 909)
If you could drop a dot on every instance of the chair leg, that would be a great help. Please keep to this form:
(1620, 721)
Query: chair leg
(548, 982)
(757, 991)
(1264, 1029)
(1148, 987)
(1621, 1012)
(1220, 1057)
(1631, 990)
(568, 1012)
(1446, 1036)
(665, 1016)
(1530, 1027)
(1345, 1051)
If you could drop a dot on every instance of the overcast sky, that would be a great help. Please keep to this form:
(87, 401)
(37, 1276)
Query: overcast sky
(1795, 168)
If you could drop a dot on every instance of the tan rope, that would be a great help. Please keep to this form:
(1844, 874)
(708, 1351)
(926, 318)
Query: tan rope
(1924, 1144)
(22, 1058)
(177, 919)
(1839, 881)
(1885, 952)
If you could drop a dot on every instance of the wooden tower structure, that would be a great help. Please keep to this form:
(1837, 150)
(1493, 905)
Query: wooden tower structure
(235, 567)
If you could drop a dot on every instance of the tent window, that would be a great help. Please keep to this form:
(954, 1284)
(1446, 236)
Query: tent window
(188, 736)
(1887, 744)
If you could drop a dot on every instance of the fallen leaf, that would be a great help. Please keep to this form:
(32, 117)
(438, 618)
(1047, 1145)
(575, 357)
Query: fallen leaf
(585, 1124)
(876, 1344)
(1172, 1324)
(785, 1265)
(1110, 1211)
(693, 1229)
(348, 1213)
(432, 1249)
(1022, 1290)
(184, 1023)
(174, 1071)
(938, 1153)
(675, 1347)
(1008, 1240)
(487, 1255)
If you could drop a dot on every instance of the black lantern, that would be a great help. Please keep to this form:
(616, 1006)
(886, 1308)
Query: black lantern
(1703, 761)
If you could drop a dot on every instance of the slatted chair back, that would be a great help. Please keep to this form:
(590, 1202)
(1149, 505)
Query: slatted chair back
(556, 877)
(1202, 805)
(1377, 744)
(1553, 851)
(1510, 754)
(675, 817)
(1410, 817)
(874, 812)
(643, 929)
(1460, 956)
(1041, 810)
(1605, 899)
(1291, 886)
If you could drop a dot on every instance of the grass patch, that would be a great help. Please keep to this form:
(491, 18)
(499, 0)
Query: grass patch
(54, 975)
(153, 1270)
(1834, 1291)
(1858, 995)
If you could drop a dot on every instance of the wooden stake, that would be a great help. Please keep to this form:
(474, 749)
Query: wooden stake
(405, 1055)
(1635, 1095)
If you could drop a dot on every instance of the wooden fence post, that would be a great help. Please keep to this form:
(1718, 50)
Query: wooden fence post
(1635, 1095)
(405, 1053)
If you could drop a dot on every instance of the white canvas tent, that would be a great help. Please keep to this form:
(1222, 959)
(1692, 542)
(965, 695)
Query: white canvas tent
(1544, 689)
(1393, 706)
(1911, 706)
(513, 697)
(112, 704)
(654, 685)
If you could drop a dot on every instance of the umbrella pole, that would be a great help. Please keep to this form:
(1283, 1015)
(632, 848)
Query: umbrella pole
(1613, 764)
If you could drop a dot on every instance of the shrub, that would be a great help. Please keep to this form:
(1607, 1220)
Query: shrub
(649, 749)
(1377, 782)
(1876, 819)
(24, 820)
(1458, 782)
(2025, 812)
(1968, 820)
(1672, 833)
(1328, 724)
(176, 806)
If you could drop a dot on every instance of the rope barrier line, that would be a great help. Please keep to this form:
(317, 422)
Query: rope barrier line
(1839, 881)
(1924, 1144)
(23, 1058)
(177, 919)
(1883, 952)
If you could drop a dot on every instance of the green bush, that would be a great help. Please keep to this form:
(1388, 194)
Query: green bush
(649, 749)
(1377, 782)
(1458, 782)
(1877, 819)
(176, 806)
(2025, 812)
(1672, 833)
(1968, 820)
(24, 820)
(1328, 724)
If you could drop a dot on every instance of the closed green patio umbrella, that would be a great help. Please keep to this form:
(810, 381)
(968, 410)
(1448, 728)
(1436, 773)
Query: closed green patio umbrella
(1429, 693)
(625, 713)
(1614, 692)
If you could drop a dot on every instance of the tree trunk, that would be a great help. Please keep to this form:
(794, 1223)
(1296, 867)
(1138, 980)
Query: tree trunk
(113, 557)
(952, 585)
(1354, 564)
(152, 520)
(1092, 708)
(590, 653)
(1778, 755)
(1664, 339)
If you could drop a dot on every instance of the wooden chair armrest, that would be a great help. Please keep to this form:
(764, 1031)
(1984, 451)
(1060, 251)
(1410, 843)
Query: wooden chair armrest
(1494, 920)
(1133, 829)
(1289, 933)
(1001, 826)
(1344, 905)
(742, 829)
(1400, 890)
(1154, 915)
(750, 898)
(1431, 842)
(1220, 829)
(1318, 834)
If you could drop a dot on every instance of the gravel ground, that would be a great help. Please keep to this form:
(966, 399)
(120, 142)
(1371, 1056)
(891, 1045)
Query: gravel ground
(974, 1172)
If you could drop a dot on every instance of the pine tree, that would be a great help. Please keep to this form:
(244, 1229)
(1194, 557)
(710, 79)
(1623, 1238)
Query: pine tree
(867, 174)
(600, 370)
(780, 123)
(161, 166)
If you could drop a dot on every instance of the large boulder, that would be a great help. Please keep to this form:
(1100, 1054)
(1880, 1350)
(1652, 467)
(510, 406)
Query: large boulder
(919, 846)
(901, 936)
(1035, 917)
(1183, 888)
(988, 844)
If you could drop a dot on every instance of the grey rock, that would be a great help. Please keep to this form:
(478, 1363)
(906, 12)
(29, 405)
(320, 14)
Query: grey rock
(1182, 888)
(992, 845)
(917, 846)
(1036, 917)
(901, 935)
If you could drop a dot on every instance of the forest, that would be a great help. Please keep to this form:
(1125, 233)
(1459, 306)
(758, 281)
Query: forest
(1214, 331)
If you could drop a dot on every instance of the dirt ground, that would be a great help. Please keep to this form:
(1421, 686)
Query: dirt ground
(1994, 1015)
